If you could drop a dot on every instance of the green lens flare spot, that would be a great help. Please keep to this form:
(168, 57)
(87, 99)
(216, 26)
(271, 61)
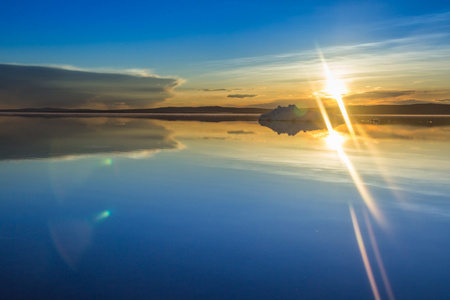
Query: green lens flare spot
(107, 162)
(102, 216)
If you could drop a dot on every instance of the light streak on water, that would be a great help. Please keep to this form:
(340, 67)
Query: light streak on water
(379, 261)
(365, 258)
(357, 180)
(365, 194)
(335, 141)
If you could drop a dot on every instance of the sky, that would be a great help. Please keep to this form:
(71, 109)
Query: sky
(113, 54)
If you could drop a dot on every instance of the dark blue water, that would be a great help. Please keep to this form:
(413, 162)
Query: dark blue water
(99, 208)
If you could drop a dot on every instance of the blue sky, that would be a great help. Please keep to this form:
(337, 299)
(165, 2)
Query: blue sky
(200, 42)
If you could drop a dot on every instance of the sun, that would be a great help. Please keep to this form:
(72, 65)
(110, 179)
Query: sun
(335, 87)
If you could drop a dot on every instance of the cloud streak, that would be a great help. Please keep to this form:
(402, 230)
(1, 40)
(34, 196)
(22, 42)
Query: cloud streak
(37, 86)
(215, 90)
(241, 96)
(379, 94)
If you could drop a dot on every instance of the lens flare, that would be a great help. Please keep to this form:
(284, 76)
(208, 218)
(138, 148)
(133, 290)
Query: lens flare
(335, 142)
(365, 258)
(103, 215)
(336, 88)
(107, 162)
(357, 180)
(379, 261)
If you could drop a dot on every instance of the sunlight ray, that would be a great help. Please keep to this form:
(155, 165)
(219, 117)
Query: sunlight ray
(336, 89)
(365, 258)
(379, 261)
(357, 180)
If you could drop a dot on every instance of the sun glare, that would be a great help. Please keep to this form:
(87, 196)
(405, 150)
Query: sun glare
(335, 87)
(334, 140)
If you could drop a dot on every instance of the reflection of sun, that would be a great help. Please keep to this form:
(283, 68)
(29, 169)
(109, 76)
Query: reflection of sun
(334, 140)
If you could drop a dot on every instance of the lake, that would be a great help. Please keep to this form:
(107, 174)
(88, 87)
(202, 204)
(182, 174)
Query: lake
(136, 208)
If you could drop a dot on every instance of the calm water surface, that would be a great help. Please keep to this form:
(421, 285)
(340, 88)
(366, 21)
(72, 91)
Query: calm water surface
(111, 208)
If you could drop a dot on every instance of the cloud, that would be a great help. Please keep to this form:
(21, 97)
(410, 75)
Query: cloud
(300, 102)
(391, 64)
(215, 90)
(410, 101)
(241, 96)
(378, 94)
(37, 86)
(397, 96)
(240, 132)
(220, 90)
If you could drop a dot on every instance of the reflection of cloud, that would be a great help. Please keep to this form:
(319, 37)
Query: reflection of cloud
(34, 86)
(404, 132)
(241, 96)
(240, 132)
(27, 138)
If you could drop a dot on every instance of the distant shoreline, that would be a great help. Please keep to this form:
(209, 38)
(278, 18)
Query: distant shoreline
(205, 117)
(219, 113)
(400, 115)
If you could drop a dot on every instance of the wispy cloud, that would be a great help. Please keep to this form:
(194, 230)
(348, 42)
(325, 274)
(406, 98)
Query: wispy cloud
(241, 96)
(425, 54)
(439, 18)
(240, 132)
(38, 86)
(418, 60)
(378, 94)
(215, 90)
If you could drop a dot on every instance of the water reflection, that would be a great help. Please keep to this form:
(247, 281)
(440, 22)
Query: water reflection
(371, 124)
(37, 137)
(54, 137)
(239, 212)
(291, 128)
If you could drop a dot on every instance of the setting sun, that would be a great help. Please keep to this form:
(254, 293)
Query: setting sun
(335, 87)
